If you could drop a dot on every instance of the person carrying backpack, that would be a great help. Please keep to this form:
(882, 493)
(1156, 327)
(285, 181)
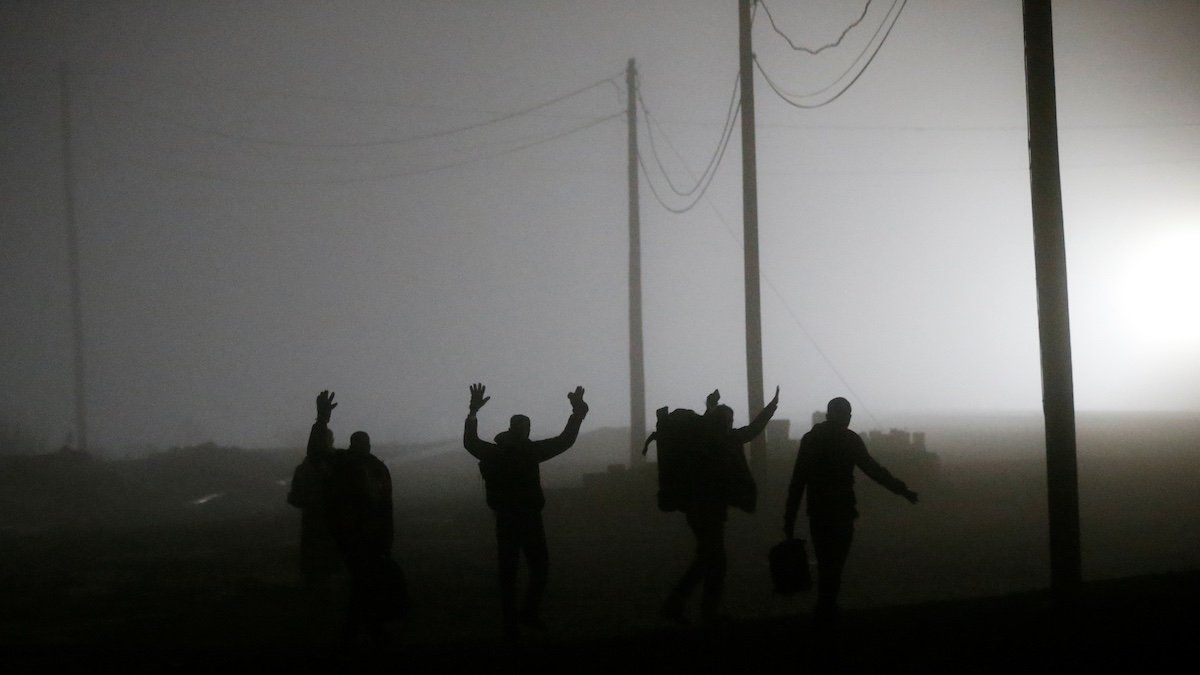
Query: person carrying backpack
(717, 463)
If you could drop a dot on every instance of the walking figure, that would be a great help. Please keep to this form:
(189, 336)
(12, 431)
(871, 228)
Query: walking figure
(721, 480)
(513, 484)
(825, 467)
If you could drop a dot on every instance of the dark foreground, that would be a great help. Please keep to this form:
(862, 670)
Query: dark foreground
(1141, 622)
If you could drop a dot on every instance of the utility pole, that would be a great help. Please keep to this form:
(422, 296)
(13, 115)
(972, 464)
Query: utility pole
(637, 367)
(73, 258)
(1054, 328)
(754, 364)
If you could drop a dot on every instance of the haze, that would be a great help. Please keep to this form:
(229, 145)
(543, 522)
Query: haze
(227, 280)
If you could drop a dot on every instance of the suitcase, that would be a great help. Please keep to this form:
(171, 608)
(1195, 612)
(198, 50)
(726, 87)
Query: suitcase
(789, 567)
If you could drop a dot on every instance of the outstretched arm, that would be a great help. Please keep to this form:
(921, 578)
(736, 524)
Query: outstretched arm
(551, 447)
(876, 472)
(479, 449)
(747, 433)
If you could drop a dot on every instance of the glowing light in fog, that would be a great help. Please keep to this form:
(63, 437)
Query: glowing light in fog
(1162, 289)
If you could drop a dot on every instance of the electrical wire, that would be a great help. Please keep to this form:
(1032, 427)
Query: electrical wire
(790, 98)
(706, 183)
(207, 175)
(818, 50)
(263, 140)
(726, 126)
(457, 146)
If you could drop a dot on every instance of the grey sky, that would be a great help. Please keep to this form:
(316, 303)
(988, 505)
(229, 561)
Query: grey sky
(226, 282)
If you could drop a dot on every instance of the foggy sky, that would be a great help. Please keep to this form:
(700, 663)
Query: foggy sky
(225, 282)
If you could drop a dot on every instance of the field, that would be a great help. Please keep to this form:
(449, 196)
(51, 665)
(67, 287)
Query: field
(112, 557)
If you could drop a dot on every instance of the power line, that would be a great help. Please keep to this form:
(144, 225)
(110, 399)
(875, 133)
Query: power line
(207, 175)
(818, 50)
(263, 140)
(706, 182)
(259, 152)
(790, 98)
(651, 122)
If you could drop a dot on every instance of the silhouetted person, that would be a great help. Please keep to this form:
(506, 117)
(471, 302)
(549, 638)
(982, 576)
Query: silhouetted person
(513, 483)
(707, 511)
(825, 466)
(360, 509)
(320, 557)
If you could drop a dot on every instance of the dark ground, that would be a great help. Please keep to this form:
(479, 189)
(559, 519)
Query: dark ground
(109, 563)
(1140, 624)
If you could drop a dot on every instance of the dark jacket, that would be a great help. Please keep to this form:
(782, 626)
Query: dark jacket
(510, 470)
(360, 504)
(309, 492)
(825, 466)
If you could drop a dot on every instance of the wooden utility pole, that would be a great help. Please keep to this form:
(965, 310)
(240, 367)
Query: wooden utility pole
(754, 364)
(1054, 329)
(637, 368)
(73, 258)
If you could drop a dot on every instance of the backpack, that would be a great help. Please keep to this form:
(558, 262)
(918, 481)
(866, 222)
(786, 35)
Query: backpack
(687, 453)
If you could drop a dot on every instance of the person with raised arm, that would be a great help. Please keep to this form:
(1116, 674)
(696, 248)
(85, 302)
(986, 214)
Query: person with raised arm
(512, 481)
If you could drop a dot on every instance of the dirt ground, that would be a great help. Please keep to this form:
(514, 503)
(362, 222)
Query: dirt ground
(118, 561)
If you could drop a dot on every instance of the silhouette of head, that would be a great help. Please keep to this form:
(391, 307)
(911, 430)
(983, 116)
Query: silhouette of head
(518, 427)
(838, 411)
(360, 441)
(725, 416)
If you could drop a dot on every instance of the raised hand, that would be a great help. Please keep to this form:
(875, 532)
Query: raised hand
(477, 398)
(578, 405)
(325, 405)
(713, 399)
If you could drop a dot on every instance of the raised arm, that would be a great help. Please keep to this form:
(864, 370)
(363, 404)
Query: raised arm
(747, 433)
(318, 436)
(479, 449)
(551, 447)
(876, 472)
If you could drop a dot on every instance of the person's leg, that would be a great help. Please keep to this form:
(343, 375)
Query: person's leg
(507, 552)
(357, 599)
(673, 607)
(537, 556)
(712, 544)
(831, 544)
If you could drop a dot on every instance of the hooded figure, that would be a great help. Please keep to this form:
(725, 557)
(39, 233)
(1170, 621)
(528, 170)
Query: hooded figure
(512, 479)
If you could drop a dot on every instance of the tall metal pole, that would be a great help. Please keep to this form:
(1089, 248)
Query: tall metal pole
(1054, 329)
(754, 365)
(73, 259)
(637, 368)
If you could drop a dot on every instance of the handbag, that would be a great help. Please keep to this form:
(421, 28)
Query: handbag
(789, 567)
